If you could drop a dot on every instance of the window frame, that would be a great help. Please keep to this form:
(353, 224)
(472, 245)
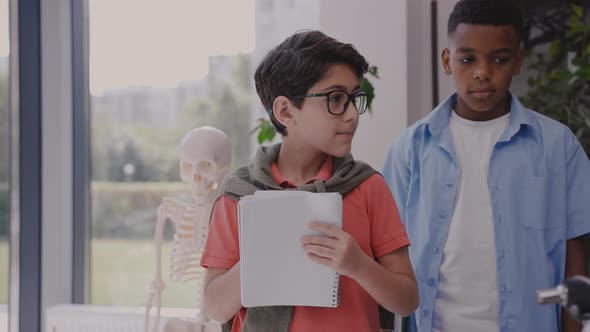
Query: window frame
(81, 208)
(25, 169)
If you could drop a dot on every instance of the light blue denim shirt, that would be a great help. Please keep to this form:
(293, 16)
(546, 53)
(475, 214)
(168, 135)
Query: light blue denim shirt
(539, 183)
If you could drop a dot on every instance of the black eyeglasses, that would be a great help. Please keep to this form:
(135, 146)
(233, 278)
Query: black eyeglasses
(339, 100)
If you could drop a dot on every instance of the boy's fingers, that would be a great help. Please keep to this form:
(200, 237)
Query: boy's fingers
(327, 229)
(318, 250)
(319, 240)
(319, 259)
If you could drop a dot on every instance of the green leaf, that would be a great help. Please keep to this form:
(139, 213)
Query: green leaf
(370, 90)
(578, 10)
(368, 87)
(584, 73)
(373, 71)
(554, 48)
(266, 131)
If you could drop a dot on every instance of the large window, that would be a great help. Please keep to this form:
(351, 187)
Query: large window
(157, 70)
(178, 66)
(4, 165)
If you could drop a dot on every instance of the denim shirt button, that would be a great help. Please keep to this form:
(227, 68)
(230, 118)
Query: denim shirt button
(431, 282)
(435, 250)
(493, 186)
(444, 215)
(450, 183)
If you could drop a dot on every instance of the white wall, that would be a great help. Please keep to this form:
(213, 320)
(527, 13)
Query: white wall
(419, 60)
(420, 83)
(379, 31)
(445, 83)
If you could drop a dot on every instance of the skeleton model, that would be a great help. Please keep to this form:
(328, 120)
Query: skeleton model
(205, 156)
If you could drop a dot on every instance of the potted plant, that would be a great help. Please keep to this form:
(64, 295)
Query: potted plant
(557, 41)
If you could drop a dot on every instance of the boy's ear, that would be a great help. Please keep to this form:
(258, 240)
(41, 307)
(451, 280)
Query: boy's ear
(520, 61)
(446, 60)
(282, 108)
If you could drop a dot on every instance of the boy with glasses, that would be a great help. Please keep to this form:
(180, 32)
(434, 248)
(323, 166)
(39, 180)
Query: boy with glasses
(495, 197)
(310, 85)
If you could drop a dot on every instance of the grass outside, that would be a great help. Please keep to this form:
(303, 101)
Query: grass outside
(121, 273)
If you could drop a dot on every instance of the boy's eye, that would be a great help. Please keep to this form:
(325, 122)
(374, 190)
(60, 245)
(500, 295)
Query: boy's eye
(337, 97)
(468, 59)
(501, 60)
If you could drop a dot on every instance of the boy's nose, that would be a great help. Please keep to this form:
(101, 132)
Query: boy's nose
(351, 112)
(482, 72)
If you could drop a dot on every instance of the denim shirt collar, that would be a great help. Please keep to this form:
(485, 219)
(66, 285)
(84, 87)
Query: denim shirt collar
(437, 123)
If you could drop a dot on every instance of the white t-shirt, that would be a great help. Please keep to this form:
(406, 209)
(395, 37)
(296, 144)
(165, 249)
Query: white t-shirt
(467, 297)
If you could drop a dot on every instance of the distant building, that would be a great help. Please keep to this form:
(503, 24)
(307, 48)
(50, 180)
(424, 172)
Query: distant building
(159, 107)
(137, 105)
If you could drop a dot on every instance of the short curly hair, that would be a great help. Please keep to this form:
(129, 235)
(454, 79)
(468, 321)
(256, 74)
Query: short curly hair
(299, 62)
(487, 12)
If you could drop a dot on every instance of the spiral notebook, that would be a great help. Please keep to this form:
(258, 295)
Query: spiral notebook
(274, 268)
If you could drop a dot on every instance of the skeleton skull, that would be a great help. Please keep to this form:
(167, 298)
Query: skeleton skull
(205, 155)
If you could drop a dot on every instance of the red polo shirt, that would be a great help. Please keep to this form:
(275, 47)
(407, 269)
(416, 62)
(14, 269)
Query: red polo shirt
(369, 214)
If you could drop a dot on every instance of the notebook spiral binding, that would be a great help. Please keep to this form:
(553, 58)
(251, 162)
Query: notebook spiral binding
(336, 291)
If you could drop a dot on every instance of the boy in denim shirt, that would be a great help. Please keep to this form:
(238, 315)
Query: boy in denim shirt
(495, 197)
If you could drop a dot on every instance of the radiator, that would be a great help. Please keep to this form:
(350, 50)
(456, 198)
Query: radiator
(92, 318)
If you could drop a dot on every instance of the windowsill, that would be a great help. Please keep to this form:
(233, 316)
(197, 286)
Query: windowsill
(85, 317)
(3, 318)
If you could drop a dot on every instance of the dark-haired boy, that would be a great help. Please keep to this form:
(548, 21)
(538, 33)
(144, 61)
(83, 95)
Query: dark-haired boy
(310, 86)
(495, 197)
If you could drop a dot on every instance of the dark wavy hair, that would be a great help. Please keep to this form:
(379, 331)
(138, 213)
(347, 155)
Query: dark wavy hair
(487, 12)
(299, 62)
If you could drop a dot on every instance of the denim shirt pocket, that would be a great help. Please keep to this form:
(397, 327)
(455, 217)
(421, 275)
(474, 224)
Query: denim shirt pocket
(535, 205)
(539, 236)
(542, 226)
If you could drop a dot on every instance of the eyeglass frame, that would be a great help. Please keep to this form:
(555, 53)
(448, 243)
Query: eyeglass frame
(350, 98)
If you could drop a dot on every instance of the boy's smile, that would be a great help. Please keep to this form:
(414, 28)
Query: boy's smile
(482, 59)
